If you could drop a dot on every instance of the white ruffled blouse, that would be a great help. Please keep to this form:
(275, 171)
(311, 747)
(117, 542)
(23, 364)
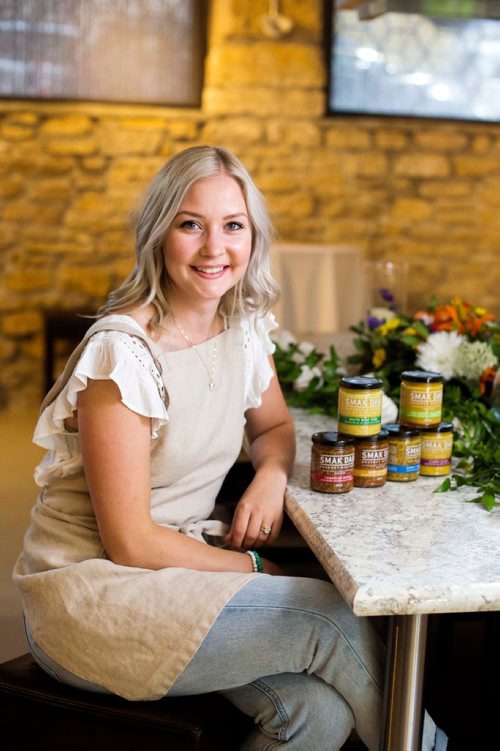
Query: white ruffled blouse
(127, 361)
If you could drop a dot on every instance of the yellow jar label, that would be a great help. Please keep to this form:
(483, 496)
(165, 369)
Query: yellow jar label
(436, 454)
(359, 411)
(421, 403)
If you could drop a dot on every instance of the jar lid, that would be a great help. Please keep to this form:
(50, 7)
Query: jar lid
(443, 427)
(332, 439)
(377, 438)
(361, 382)
(422, 376)
(401, 431)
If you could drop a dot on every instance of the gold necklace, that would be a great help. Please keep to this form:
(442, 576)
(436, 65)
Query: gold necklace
(210, 370)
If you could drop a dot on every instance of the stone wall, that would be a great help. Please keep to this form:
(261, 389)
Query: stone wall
(70, 174)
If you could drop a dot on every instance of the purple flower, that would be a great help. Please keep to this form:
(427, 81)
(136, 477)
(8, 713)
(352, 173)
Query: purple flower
(372, 322)
(386, 295)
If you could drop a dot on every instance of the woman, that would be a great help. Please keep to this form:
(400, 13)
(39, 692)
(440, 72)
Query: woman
(129, 586)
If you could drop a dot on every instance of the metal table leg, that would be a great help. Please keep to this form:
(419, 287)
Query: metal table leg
(403, 711)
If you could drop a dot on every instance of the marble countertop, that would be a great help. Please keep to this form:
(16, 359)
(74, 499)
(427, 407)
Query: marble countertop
(399, 549)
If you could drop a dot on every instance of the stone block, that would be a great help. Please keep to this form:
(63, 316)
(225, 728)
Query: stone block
(69, 125)
(298, 133)
(348, 138)
(15, 132)
(422, 165)
(408, 210)
(440, 189)
(11, 185)
(22, 324)
(133, 170)
(297, 204)
(25, 211)
(83, 146)
(233, 131)
(476, 165)
(27, 280)
(280, 65)
(391, 140)
(440, 139)
(53, 188)
(115, 142)
(92, 281)
(249, 100)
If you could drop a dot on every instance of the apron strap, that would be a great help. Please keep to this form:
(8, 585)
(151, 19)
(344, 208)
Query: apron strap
(101, 325)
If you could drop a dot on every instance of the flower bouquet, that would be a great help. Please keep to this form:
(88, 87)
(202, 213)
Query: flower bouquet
(456, 339)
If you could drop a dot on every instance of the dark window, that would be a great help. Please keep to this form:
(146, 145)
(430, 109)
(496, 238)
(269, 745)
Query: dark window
(143, 51)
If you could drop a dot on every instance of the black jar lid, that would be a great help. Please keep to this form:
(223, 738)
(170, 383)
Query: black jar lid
(361, 382)
(377, 438)
(443, 427)
(332, 439)
(395, 429)
(422, 376)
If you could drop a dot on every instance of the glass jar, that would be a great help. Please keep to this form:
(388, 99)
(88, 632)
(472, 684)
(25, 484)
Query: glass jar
(421, 398)
(370, 460)
(405, 446)
(437, 447)
(332, 463)
(359, 405)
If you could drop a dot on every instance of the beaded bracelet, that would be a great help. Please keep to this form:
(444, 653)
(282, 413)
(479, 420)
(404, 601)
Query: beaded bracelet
(257, 566)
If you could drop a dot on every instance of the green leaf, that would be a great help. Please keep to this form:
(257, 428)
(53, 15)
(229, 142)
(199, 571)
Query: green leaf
(488, 500)
(444, 487)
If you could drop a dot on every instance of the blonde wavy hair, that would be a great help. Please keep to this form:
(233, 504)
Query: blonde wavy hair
(149, 282)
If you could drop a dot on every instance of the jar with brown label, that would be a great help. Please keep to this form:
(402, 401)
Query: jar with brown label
(332, 463)
(370, 460)
(360, 405)
(405, 446)
(421, 398)
(437, 447)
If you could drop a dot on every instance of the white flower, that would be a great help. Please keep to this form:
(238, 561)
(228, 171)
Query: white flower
(304, 349)
(389, 410)
(436, 354)
(284, 338)
(471, 358)
(382, 314)
(306, 376)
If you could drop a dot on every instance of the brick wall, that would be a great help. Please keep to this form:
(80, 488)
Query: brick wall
(424, 191)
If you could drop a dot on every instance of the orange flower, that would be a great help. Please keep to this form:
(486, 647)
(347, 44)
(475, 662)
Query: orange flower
(487, 378)
(446, 319)
(475, 323)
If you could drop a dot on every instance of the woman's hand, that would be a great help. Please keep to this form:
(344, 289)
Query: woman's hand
(270, 432)
(260, 507)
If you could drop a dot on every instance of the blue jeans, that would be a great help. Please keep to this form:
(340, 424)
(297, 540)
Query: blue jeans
(290, 653)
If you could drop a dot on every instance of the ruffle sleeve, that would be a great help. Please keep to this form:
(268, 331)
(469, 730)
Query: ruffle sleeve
(116, 356)
(258, 346)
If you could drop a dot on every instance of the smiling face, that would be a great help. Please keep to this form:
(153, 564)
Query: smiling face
(207, 247)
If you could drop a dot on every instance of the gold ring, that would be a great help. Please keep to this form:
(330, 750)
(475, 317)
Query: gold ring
(266, 530)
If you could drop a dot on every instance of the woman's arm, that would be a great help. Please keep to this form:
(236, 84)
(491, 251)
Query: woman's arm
(115, 445)
(271, 434)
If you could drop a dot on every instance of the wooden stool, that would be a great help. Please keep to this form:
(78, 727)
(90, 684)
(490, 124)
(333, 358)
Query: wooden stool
(38, 709)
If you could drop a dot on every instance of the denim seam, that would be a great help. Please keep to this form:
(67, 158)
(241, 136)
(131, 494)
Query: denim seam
(318, 615)
(279, 706)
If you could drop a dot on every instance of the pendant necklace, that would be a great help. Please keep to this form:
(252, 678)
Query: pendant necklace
(210, 370)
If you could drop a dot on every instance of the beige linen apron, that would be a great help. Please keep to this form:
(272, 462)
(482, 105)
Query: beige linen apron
(134, 630)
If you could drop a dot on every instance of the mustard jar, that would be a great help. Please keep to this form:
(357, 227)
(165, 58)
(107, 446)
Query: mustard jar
(359, 405)
(370, 460)
(437, 447)
(332, 463)
(405, 446)
(421, 398)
